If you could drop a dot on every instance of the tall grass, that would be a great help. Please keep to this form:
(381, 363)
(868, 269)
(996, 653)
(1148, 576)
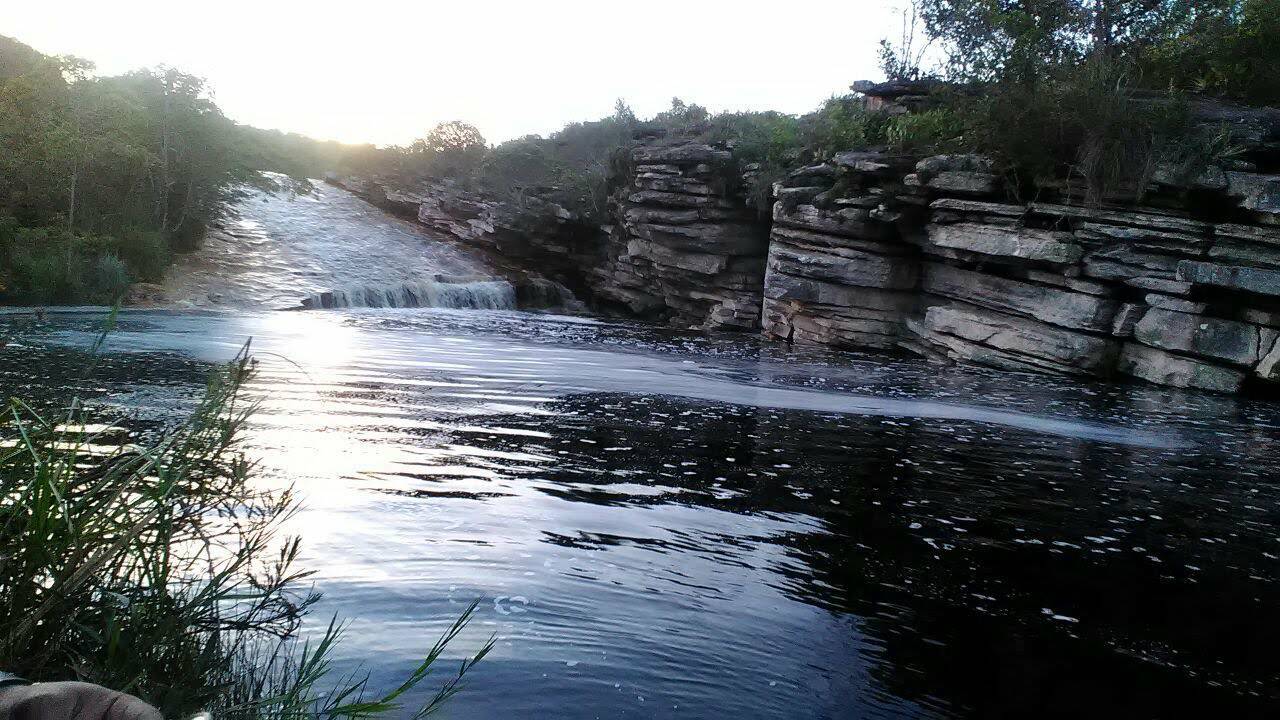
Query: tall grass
(159, 569)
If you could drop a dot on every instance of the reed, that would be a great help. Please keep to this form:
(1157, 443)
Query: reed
(160, 569)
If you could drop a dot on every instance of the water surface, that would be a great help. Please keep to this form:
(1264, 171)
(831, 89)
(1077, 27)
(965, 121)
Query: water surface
(665, 525)
(669, 525)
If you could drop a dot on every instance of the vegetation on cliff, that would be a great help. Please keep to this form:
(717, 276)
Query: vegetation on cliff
(1092, 92)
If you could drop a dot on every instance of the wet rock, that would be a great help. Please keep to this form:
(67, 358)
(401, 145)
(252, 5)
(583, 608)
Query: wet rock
(1163, 368)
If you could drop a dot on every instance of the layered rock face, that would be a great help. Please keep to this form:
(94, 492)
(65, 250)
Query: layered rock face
(932, 261)
(535, 236)
(927, 255)
(684, 246)
(840, 271)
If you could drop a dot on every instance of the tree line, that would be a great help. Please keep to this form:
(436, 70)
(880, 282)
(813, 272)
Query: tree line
(103, 178)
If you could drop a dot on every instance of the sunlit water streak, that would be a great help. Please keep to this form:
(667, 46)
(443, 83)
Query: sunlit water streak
(665, 525)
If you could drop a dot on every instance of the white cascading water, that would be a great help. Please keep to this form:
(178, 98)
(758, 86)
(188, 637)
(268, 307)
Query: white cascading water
(479, 295)
(329, 249)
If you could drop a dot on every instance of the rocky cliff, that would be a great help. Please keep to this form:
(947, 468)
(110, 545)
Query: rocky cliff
(683, 245)
(925, 255)
(879, 251)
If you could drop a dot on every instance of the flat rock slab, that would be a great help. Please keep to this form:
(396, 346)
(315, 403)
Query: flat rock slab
(849, 267)
(1056, 306)
(1163, 368)
(1012, 242)
(1028, 341)
(1248, 279)
(1205, 337)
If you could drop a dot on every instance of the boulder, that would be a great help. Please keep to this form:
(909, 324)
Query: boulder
(780, 285)
(1173, 304)
(1021, 243)
(1245, 253)
(1146, 218)
(1143, 238)
(1160, 285)
(1269, 367)
(680, 154)
(1127, 318)
(874, 163)
(976, 207)
(1125, 263)
(938, 164)
(847, 222)
(1249, 233)
(1162, 368)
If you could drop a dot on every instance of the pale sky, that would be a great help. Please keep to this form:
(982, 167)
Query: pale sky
(385, 71)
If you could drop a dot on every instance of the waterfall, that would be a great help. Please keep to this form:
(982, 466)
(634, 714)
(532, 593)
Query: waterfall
(476, 295)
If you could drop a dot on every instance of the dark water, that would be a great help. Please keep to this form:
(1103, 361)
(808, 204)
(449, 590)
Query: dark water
(669, 526)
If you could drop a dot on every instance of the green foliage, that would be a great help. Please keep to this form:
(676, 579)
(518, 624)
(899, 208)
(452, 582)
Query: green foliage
(842, 123)
(137, 165)
(158, 569)
(1087, 125)
(571, 168)
(940, 130)
(1229, 48)
(110, 277)
(682, 117)
(450, 149)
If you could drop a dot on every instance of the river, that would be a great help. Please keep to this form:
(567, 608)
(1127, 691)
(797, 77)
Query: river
(663, 524)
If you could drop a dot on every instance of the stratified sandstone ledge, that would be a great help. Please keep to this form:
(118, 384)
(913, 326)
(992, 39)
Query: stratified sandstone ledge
(890, 252)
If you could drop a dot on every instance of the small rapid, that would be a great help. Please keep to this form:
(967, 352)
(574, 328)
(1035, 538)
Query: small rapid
(328, 249)
(481, 295)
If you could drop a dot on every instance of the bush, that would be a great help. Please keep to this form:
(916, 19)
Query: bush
(1227, 48)
(146, 253)
(940, 130)
(110, 278)
(1087, 125)
(842, 123)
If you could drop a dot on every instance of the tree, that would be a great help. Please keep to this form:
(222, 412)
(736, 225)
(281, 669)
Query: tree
(451, 149)
(1018, 40)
